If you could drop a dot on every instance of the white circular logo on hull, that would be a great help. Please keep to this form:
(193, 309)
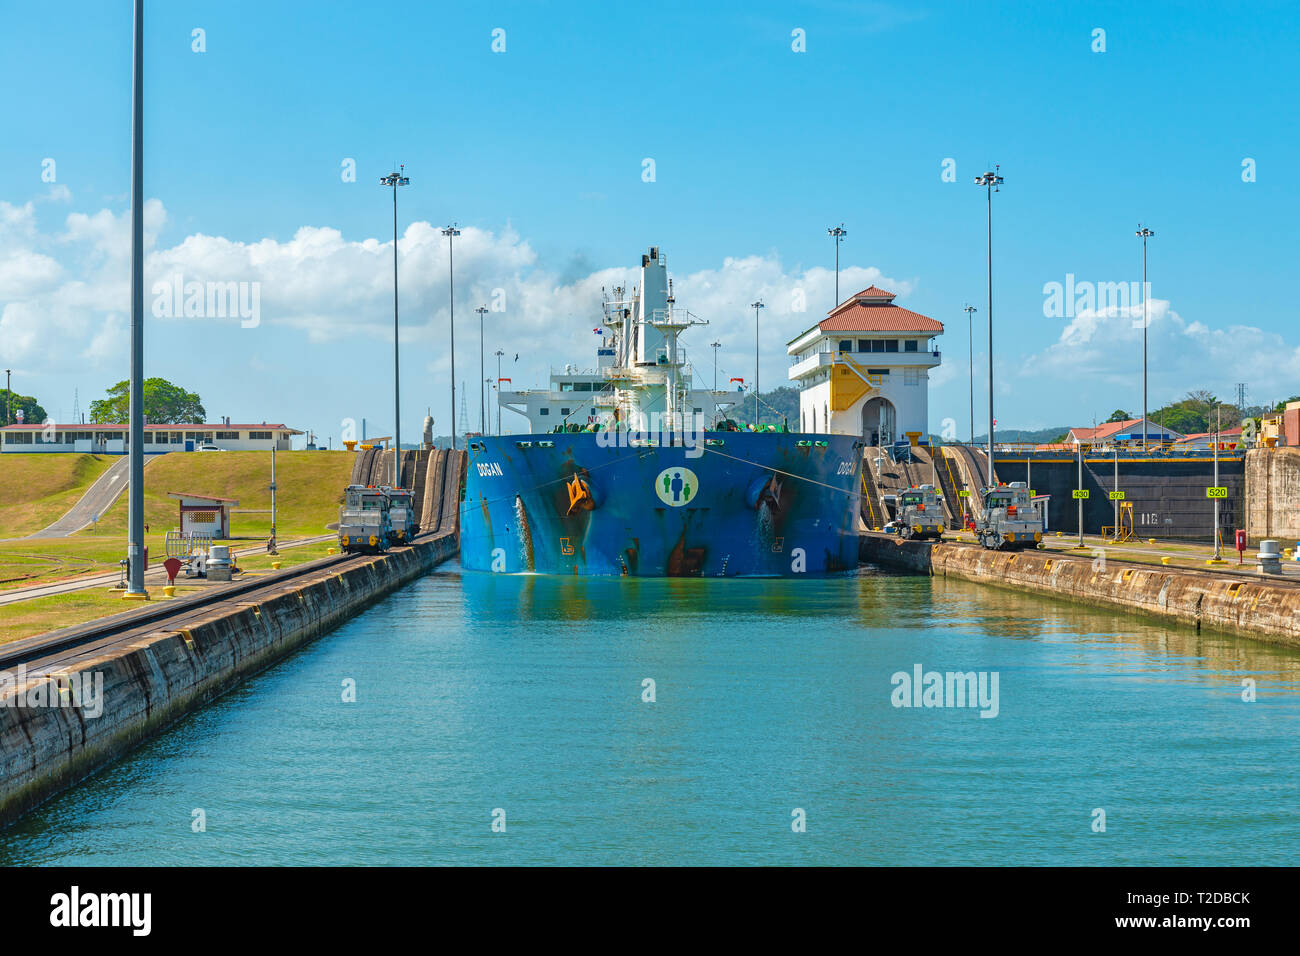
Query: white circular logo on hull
(676, 486)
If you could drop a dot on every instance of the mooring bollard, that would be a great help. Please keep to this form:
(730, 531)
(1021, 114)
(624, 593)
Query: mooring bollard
(275, 565)
(169, 590)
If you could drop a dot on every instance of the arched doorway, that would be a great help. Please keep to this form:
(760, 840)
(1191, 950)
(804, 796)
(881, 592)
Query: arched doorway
(878, 422)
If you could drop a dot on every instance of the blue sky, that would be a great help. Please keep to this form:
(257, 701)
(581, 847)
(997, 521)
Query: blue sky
(538, 153)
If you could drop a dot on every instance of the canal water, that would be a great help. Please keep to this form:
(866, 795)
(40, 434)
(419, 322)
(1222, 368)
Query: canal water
(773, 736)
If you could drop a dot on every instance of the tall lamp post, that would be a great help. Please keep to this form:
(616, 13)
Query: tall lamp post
(135, 498)
(499, 354)
(451, 232)
(1144, 234)
(715, 346)
(970, 311)
(756, 305)
(990, 181)
(837, 233)
(9, 390)
(394, 180)
(482, 389)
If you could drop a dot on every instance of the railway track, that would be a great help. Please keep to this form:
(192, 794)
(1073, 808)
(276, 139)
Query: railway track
(59, 647)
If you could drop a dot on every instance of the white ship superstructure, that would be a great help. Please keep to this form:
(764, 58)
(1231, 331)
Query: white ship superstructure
(643, 379)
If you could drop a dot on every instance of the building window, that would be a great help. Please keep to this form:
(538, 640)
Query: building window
(846, 345)
(877, 345)
(543, 410)
(877, 371)
(911, 345)
(911, 376)
(864, 345)
(259, 436)
(564, 411)
(891, 345)
(228, 436)
(148, 438)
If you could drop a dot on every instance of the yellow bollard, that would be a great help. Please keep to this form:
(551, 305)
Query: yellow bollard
(1151, 540)
(1164, 560)
(275, 565)
(329, 550)
(169, 590)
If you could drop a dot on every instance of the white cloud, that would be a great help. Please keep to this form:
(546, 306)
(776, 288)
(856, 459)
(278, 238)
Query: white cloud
(1105, 348)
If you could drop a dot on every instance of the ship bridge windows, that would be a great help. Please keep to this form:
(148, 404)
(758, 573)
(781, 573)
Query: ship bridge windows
(543, 410)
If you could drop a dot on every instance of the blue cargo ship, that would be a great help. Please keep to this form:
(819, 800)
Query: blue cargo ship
(628, 469)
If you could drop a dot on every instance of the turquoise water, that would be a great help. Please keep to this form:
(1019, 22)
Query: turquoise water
(477, 692)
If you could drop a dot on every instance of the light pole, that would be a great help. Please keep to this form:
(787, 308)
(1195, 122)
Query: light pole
(715, 346)
(394, 180)
(482, 389)
(499, 354)
(1145, 234)
(451, 232)
(135, 503)
(9, 389)
(756, 305)
(1218, 422)
(837, 233)
(990, 181)
(970, 311)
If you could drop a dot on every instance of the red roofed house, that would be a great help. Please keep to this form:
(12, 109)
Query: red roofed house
(100, 439)
(1128, 430)
(864, 370)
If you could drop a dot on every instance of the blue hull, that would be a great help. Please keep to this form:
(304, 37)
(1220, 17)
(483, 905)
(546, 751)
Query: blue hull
(752, 504)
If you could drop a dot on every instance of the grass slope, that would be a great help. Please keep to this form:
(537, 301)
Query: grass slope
(37, 489)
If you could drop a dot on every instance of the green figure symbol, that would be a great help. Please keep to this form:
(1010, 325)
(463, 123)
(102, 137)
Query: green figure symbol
(666, 480)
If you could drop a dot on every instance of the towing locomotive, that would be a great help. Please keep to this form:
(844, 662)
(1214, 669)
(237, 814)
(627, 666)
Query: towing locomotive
(374, 518)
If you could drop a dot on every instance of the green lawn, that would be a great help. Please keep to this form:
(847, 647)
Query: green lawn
(37, 489)
(309, 490)
(40, 615)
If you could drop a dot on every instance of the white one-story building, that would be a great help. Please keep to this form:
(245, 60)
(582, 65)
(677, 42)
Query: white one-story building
(864, 370)
(100, 439)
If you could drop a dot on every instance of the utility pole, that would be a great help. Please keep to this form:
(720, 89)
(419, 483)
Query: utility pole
(135, 548)
(990, 181)
(1079, 485)
(837, 233)
(9, 391)
(451, 232)
(482, 389)
(1144, 234)
(970, 335)
(394, 180)
(756, 305)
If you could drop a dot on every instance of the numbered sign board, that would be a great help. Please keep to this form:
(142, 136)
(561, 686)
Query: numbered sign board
(1117, 496)
(1080, 493)
(1216, 492)
(964, 493)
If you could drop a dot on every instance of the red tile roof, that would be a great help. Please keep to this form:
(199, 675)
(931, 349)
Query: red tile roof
(1107, 429)
(1209, 436)
(873, 310)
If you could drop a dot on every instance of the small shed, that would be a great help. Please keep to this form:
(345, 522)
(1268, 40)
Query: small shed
(204, 514)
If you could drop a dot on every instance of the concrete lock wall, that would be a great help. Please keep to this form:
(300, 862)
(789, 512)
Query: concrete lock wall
(156, 680)
(1273, 494)
(1254, 608)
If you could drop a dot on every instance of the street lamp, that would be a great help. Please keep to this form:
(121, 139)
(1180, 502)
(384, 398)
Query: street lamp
(499, 354)
(990, 181)
(451, 232)
(1144, 234)
(9, 390)
(755, 306)
(837, 233)
(394, 180)
(715, 346)
(135, 547)
(482, 392)
(970, 311)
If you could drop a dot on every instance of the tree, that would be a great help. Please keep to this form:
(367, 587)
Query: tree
(12, 402)
(164, 404)
(1119, 415)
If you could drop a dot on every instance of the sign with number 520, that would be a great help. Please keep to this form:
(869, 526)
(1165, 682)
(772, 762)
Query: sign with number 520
(1216, 492)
